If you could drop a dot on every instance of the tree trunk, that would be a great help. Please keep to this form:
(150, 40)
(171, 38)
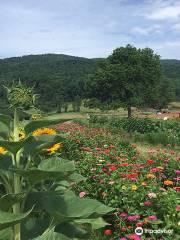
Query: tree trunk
(129, 111)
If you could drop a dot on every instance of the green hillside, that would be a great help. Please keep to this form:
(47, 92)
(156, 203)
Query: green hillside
(57, 76)
(53, 76)
(172, 72)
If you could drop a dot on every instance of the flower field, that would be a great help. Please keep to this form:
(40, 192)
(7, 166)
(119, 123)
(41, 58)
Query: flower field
(143, 188)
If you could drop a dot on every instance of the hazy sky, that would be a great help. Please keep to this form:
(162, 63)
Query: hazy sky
(88, 28)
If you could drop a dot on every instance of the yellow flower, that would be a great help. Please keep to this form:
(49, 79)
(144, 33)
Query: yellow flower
(2, 150)
(123, 187)
(21, 135)
(34, 117)
(150, 175)
(134, 187)
(42, 131)
(54, 148)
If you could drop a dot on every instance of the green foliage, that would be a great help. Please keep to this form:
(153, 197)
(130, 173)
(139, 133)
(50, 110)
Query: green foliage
(61, 77)
(140, 125)
(172, 72)
(129, 76)
(144, 130)
(54, 76)
(77, 104)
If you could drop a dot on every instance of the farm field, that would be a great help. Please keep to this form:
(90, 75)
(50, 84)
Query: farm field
(89, 176)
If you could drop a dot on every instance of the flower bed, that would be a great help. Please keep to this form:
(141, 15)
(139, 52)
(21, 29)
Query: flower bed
(144, 190)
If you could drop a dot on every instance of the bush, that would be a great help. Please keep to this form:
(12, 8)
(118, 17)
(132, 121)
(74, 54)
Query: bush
(140, 125)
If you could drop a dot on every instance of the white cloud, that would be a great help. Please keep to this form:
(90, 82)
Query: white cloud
(164, 10)
(146, 31)
(176, 27)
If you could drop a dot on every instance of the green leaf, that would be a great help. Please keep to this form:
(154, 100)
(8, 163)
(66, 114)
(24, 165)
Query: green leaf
(56, 164)
(52, 169)
(95, 223)
(33, 226)
(6, 234)
(5, 119)
(5, 124)
(75, 177)
(157, 222)
(33, 125)
(8, 219)
(51, 235)
(14, 147)
(72, 231)
(8, 200)
(68, 205)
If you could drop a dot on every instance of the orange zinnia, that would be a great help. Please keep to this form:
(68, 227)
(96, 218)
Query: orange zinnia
(168, 182)
(150, 175)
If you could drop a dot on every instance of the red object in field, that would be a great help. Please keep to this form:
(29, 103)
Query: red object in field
(108, 232)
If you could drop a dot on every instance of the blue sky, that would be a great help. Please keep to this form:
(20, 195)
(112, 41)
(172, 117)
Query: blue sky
(88, 28)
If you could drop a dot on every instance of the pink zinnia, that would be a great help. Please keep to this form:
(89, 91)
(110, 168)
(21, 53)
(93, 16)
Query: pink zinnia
(123, 238)
(133, 218)
(177, 171)
(133, 237)
(177, 179)
(123, 215)
(156, 169)
(178, 208)
(147, 203)
(152, 218)
(82, 194)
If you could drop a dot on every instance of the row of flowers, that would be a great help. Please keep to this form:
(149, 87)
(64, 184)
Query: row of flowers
(143, 189)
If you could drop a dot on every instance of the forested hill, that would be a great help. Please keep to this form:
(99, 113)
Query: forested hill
(57, 76)
(172, 72)
(54, 76)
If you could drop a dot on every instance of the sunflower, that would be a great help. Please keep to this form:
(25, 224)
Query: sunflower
(2, 150)
(53, 148)
(43, 131)
(21, 135)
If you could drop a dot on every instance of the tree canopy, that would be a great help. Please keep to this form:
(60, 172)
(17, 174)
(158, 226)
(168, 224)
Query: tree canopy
(130, 76)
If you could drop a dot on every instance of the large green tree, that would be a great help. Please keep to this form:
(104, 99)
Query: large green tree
(129, 77)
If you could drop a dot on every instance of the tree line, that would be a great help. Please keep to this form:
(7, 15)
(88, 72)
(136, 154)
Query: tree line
(135, 75)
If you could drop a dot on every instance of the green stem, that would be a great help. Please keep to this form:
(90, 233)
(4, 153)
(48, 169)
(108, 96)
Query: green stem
(16, 207)
(17, 180)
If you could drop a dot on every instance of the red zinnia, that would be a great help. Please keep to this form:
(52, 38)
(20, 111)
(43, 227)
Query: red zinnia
(108, 232)
(150, 161)
(177, 188)
(112, 168)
